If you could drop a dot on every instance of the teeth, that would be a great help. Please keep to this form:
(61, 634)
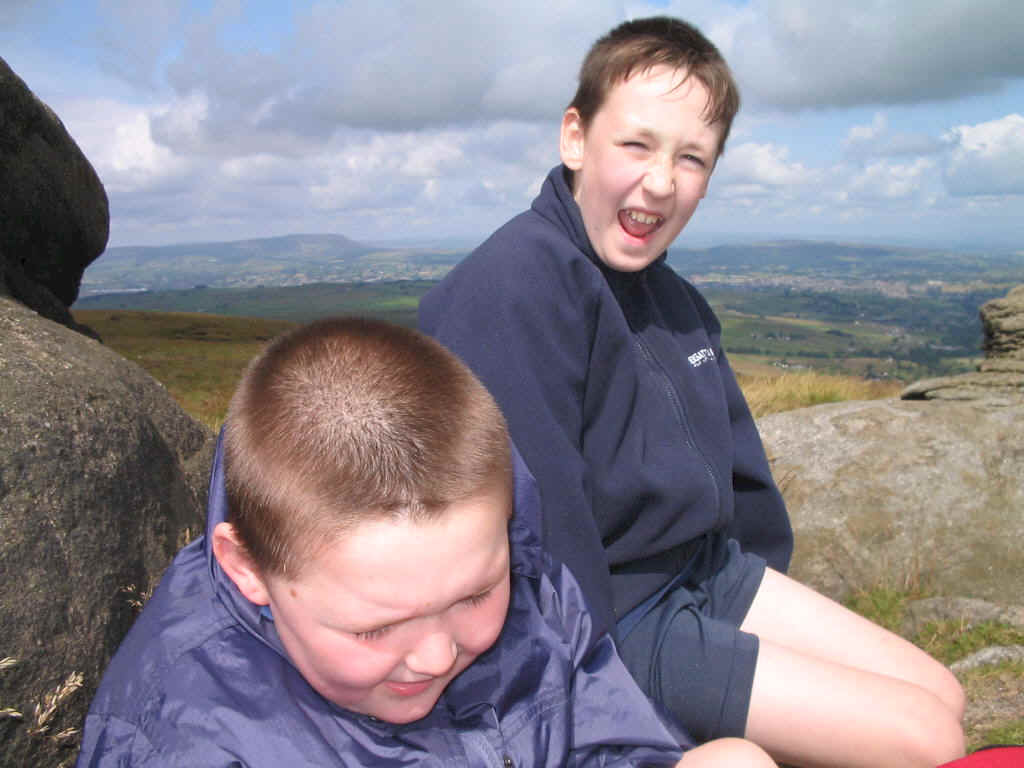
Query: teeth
(643, 218)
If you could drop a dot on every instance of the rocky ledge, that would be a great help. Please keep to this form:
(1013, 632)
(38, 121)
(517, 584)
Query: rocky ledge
(999, 379)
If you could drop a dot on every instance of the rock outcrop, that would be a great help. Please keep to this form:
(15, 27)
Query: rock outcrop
(904, 493)
(102, 475)
(102, 478)
(53, 208)
(999, 379)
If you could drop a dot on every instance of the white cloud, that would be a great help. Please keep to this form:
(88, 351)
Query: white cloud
(876, 140)
(385, 120)
(988, 158)
(766, 165)
(860, 134)
(118, 141)
(133, 35)
(885, 180)
(794, 54)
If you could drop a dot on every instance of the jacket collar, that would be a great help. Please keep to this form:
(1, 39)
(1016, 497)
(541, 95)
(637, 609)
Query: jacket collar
(557, 204)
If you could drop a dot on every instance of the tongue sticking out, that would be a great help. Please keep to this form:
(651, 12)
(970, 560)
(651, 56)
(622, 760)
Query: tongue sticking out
(638, 224)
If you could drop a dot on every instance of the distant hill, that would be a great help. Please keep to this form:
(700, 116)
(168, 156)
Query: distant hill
(829, 266)
(895, 312)
(301, 259)
(274, 261)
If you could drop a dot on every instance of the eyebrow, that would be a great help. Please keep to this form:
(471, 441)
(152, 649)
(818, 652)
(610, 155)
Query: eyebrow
(642, 130)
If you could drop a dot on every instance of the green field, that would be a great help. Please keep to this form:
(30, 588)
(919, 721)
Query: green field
(392, 300)
(868, 335)
(199, 356)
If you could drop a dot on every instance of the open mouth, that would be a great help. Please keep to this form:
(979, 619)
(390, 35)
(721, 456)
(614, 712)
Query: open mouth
(638, 223)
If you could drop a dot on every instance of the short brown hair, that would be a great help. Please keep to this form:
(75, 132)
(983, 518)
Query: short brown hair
(637, 46)
(350, 419)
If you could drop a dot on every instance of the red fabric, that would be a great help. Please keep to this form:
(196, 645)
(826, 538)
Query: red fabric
(991, 757)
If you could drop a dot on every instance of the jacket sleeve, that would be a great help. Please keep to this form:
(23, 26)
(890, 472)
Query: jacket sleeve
(525, 330)
(107, 743)
(760, 521)
(112, 742)
(613, 722)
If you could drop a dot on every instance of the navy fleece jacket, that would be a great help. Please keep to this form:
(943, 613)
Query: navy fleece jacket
(620, 397)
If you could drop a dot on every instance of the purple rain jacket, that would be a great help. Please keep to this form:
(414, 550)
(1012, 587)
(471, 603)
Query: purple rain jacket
(202, 680)
(620, 397)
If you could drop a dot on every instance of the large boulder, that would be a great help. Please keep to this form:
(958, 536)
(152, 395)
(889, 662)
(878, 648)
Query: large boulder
(102, 478)
(54, 217)
(904, 494)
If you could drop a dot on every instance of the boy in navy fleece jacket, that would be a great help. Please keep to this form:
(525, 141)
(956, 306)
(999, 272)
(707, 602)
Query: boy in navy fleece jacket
(656, 490)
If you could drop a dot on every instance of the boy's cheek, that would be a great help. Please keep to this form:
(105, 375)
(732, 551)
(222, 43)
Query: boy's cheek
(350, 663)
(486, 627)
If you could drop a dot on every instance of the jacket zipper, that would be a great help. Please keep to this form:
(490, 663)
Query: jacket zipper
(680, 411)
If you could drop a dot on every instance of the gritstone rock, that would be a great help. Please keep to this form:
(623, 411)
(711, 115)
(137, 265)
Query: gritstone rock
(999, 380)
(102, 478)
(54, 218)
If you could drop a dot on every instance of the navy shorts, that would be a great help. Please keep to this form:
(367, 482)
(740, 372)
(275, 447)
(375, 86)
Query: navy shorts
(688, 653)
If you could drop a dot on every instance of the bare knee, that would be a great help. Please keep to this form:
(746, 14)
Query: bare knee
(722, 753)
(951, 693)
(934, 736)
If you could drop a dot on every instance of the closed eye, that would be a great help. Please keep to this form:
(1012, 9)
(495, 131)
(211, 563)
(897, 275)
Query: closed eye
(478, 599)
(373, 634)
(378, 632)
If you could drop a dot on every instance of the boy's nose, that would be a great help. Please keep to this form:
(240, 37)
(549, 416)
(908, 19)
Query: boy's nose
(433, 655)
(658, 180)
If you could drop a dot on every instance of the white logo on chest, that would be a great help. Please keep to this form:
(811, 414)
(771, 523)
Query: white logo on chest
(701, 356)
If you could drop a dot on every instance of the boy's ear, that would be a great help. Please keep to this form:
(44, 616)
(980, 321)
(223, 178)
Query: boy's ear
(233, 557)
(570, 144)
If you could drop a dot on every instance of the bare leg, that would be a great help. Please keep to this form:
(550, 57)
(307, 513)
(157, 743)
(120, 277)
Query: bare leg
(833, 689)
(727, 753)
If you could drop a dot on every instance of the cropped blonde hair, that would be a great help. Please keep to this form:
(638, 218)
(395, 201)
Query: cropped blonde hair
(349, 419)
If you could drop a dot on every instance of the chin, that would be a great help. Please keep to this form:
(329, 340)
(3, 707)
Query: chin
(410, 713)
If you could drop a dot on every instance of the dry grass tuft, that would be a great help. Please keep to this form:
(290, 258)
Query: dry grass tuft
(791, 390)
(47, 708)
(9, 712)
(135, 597)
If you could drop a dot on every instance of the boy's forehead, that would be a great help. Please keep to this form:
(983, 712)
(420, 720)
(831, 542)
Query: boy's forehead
(671, 83)
(387, 545)
(665, 83)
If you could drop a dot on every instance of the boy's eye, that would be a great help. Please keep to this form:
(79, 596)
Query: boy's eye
(373, 634)
(694, 159)
(634, 144)
(477, 599)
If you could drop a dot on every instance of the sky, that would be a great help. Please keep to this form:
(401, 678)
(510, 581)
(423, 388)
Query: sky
(429, 121)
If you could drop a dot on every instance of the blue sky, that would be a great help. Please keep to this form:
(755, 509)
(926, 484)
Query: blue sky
(862, 120)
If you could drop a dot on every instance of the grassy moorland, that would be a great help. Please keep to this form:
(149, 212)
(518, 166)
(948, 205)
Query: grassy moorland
(863, 335)
(199, 358)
